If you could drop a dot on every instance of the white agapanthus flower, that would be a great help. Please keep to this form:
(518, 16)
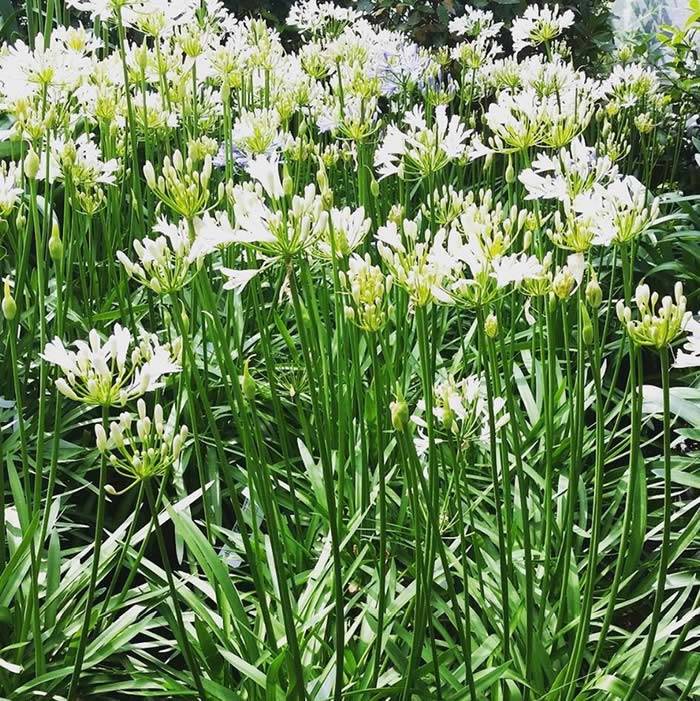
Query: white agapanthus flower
(539, 25)
(421, 150)
(567, 174)
(689, 357)
(164, 264)
(368, 289)
(10, 192)
(475, 23)
(346, 230)
(417, 263)
(313, 16)
(114, 371)
(141, 447)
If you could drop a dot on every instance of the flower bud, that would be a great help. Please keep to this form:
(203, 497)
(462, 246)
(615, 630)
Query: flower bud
(100, 438)
(510, 171)
(374, 188)
(491, 326)
(55, 243)
(399, 414)
(31, 164)
(594, 295)
(248, 383)
(288, 186)
(586, 326)
(9, 306)
(150, 175)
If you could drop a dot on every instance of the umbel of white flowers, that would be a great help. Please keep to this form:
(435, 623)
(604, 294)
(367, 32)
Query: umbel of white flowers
(660, 327)
(144, 448)
(114, 371)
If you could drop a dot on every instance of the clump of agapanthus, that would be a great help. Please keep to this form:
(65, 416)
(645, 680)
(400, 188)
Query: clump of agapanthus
(421, 150)
(164, 264)
(630, 85)
(141, 447)
(345, 231)
(10, 191)
(151, 114)
(539, 25)
(114, 371)
(418, 263)
(475, 55)
(655, 327)
(368, 291)
(183, 184)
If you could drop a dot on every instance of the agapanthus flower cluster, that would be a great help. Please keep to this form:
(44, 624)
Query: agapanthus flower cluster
(114, 371)
(140, 447)
(368, 288)
(658, 326)
(421, 149)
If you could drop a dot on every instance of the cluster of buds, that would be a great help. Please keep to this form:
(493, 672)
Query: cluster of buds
(112, 372)
(660, 327)
(150, 449)
(165, 264)
(369, 291)
(182, 186)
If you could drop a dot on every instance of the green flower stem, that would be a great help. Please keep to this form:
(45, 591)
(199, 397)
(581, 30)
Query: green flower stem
(666, 536)
(184, 637)
(97, 547)
(329, 488)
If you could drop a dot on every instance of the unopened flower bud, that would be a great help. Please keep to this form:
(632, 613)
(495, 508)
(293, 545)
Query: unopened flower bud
(55, 243)
(31, 164)
(100, 438)
(399, 414)
(586, 326)
(248, 383)
(491, 326)
(9, 306)
(510, 171)
(594, 295)
(288, 186)
(374, 188)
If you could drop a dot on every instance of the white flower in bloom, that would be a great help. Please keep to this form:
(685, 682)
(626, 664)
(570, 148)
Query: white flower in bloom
(345, 231)
(475, 23)
(313, 16)
(148, 449)
(165, 263)
(420, 266)
(212, 233)
(539, 25)
(567, 174)
(9, 190)
(516, 268)
(266, 171)
(279, 234)
(112, 372)
(421, 150)
(689, 357)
